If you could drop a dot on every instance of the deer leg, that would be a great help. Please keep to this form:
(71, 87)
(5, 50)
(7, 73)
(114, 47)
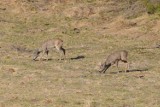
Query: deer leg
(47, 51)
(101, 71)
(58, 48)
(44, 51)
(36, 54)
(104, 70)
(64, 53)
(61, 51)
(127, 65)
(106, 67)
(117, 65)
(42, 55)
(103, 67)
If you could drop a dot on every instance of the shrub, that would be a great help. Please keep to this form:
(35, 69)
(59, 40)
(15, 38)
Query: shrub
(152, 7)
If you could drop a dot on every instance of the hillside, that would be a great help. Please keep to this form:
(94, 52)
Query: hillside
(91, 30)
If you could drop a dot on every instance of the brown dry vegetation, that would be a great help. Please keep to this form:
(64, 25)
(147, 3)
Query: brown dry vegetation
(91, 30)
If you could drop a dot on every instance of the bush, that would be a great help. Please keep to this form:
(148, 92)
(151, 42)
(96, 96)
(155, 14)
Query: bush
(158, 9)
(152, 7)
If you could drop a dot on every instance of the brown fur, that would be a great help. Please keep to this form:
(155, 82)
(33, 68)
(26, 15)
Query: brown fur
(46, 46)
(114, 58)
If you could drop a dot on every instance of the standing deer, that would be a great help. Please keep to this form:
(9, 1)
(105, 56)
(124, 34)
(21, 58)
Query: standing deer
(46, 46)
(114, 58)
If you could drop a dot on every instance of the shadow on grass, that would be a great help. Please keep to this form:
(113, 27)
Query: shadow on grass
(132, 70)
(75, 58)
(42, 59)
(136, 70)
(50, 59)
(78, 57)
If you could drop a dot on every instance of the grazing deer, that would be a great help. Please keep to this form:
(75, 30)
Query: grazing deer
(46, 46)
(114, 58)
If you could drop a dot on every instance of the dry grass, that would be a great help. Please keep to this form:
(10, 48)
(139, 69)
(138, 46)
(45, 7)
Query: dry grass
(74, 82)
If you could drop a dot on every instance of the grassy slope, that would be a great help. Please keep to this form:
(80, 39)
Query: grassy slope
(76, 83)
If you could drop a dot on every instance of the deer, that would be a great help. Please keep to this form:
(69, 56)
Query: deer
(114, 58)
(49, 44)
